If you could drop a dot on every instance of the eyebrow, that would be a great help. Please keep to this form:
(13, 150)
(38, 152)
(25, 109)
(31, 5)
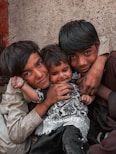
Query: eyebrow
(38, 60)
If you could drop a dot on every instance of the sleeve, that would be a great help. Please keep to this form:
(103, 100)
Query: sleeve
(105, 45)
(21, 123)
(112, 104)
(110, 81)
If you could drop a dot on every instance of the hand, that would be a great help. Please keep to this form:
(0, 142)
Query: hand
(87, 99)
(57, 92)
(90, 82)
(17, 82)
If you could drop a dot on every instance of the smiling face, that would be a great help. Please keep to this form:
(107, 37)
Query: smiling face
(35, 72)
(61, 73)
(82, 61)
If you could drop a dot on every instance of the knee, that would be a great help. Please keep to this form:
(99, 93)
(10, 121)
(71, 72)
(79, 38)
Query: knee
(70, 133)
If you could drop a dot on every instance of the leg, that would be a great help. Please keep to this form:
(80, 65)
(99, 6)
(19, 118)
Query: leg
(72, 141)
(49, 144)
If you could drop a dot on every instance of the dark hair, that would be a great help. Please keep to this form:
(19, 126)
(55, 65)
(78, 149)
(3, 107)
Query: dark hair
(14, 57)
(52, 54)
(77, 35)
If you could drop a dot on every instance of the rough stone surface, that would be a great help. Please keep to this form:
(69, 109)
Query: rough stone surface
(40, 20)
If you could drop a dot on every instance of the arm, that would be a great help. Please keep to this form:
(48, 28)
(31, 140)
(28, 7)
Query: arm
(18, 82)
(110, 96)
(56, 93)
(90, 82)
(21, 123)
(103, 92)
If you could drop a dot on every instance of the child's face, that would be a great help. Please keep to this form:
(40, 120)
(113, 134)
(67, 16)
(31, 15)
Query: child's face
(61, 73)
(82, 61)
(35, 72)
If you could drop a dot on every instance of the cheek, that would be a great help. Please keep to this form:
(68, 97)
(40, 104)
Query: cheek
(92, 59)
(53, 79)
(28, 79)
(44, 69)
(73, 64)
(44, 86)
(31, 84)
(70, 73)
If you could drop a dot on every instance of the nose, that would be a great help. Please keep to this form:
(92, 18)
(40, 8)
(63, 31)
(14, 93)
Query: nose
(38, 73)
(82, 61)
(61, 74)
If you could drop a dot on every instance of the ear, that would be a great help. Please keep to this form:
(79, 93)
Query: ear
(97, 44)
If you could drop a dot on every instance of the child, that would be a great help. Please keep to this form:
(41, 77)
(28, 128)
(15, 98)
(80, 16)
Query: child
(79, 39)
(88, 52)
(70, 114)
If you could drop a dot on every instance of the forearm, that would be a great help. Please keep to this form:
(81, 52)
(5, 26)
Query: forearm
(100, 62)
(42, 108)
(98, 67)
(92, 79)
(30, 92)
(103, 92)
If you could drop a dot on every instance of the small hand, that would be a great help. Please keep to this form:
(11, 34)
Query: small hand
(87, 99)
(17, 82)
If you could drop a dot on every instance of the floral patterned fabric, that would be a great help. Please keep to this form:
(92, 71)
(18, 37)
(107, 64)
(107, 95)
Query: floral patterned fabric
(68, 112)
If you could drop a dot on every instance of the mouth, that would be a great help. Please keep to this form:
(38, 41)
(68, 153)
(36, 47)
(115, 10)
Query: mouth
(43, 80)
(84, 70)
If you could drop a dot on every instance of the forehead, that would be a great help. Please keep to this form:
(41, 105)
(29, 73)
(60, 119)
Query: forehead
(32, 60)
(92, 48)
(58, 66)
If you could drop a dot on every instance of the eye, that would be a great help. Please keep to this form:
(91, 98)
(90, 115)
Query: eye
(40, 62)
(72, 57)
(26, 74)
(53, 73)
(65, 69)
(87, 52)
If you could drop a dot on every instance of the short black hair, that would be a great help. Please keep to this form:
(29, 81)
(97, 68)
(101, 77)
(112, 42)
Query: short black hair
(14, 57)
(52, 54)
(77, 35)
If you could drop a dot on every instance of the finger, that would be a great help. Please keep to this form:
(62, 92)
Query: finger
(64, 87)
(84, 90)
(80, 80)
(65, 92)
(64, 97)
(92, 91)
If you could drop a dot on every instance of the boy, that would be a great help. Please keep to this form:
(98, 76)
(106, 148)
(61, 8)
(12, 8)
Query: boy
(80, 40)
(70, 114)
(23, 59)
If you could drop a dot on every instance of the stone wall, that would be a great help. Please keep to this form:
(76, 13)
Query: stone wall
(40, 20)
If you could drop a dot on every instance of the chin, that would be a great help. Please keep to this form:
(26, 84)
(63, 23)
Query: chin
(45, 86)
(83, 74)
